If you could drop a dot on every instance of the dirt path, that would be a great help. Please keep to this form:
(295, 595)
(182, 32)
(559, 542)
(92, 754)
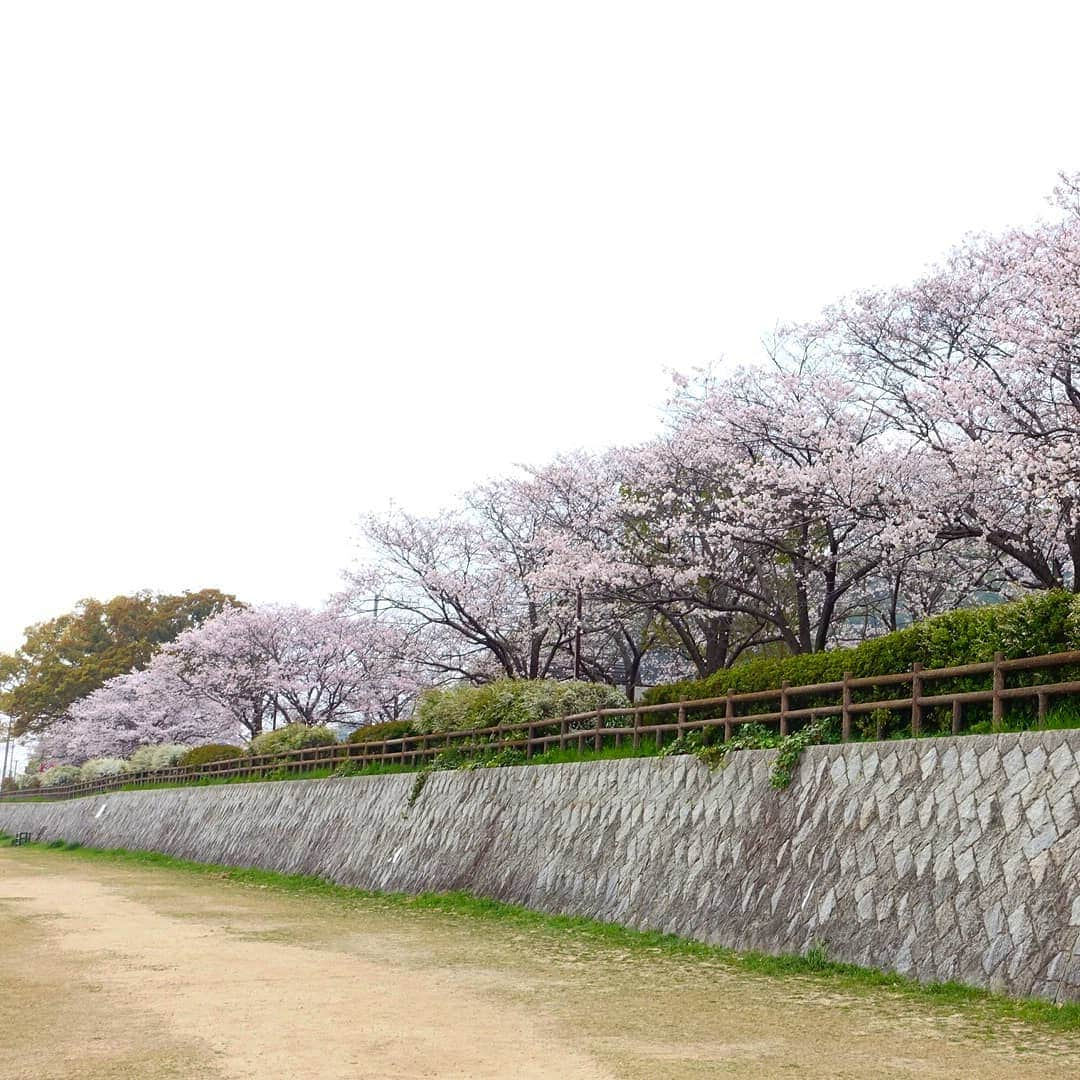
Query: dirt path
(113, 971)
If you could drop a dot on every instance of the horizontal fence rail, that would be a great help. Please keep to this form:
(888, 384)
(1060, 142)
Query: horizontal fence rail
(853, 697)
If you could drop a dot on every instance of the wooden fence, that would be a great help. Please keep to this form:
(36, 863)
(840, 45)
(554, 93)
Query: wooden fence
(849, 698)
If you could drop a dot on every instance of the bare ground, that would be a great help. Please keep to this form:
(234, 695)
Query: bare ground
(111, 971)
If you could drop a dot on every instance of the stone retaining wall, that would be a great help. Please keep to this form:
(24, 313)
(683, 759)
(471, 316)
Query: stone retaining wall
(940, 858)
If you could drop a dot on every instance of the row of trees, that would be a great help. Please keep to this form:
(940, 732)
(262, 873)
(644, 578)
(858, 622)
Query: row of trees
(910, 451)
(64, 659)
(243, 671)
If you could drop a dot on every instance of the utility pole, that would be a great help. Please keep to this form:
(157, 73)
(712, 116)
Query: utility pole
(7, 752)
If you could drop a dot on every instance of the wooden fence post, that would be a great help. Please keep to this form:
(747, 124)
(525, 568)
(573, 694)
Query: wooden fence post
(784, 707)
(729, 715)
(916, 693)
(1042, 708)
(998, 708)
(599, 742)
(637, 729)
(957, 714)
(845, 709)
(681, 720)
(564, 727)
(529, 743)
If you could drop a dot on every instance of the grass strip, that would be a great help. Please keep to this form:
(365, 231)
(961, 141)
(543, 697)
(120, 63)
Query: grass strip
(551, 757)
(814, 964)
(277, 776)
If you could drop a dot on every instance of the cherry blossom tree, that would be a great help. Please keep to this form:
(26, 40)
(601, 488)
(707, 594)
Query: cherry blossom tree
(504, 585)
(613, 636)
(245, 669)
(465, 583)
(977, 361)
(144, 708)
(271, 665)
(330, 668)
(228, 662)
(765, 511)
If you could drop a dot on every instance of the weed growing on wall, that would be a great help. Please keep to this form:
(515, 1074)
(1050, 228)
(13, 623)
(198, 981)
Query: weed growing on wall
(469, 756)
(791, 748)
(756, 737)
(417, 787)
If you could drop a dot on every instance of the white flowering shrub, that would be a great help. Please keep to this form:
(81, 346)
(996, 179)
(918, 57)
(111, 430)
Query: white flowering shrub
(96, 768)
(153, 758)
(292, 737)
(59, 775)
(511, 701)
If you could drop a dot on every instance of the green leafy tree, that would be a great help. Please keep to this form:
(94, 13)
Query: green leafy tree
(66, 658)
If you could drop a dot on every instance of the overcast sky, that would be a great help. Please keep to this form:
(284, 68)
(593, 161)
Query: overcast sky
(265, 266)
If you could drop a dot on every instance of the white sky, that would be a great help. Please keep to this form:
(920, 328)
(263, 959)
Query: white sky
(264, 266)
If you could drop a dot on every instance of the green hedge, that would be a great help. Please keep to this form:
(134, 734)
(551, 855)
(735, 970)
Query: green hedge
(1043, 623)
(203, 755)
(392, 729)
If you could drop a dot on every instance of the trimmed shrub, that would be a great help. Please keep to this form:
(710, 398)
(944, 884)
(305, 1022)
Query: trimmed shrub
(1042, 623)
(511, 701)
(60, 775)
(102, 766)
(291, 737)
(392, 729)
(153, 758)
(28, 781)
(203, 755)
